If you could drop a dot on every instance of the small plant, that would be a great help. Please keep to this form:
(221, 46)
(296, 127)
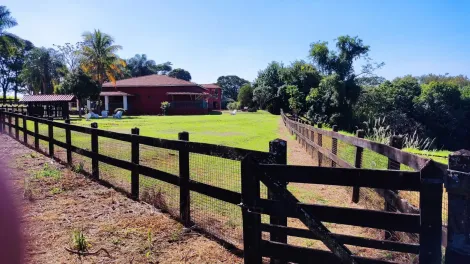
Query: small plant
(28, 192)
(164, 106)
(377, 130)
(415, 142)
(155, 198)
(79, 241)
(56, 190)
(48, 172)
(233, 106)
(148, 252)
(78, 168)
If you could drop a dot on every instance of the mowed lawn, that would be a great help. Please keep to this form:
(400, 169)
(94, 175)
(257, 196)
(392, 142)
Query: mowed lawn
(243, 130)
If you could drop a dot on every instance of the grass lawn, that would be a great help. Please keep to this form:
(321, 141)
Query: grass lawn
(244, 130)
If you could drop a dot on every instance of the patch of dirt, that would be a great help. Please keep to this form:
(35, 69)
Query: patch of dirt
(55, 201)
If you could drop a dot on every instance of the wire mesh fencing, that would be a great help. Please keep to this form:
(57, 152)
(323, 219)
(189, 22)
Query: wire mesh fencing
(120, 150)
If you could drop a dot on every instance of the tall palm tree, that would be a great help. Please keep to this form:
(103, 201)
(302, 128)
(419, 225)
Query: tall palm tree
(100, 60)
(7, 21)
(42, 69)
(140, 66)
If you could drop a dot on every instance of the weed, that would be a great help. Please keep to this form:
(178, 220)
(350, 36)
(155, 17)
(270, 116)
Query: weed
(78, 168)
(79, 241)
(48, 172)
(148, 253)
(154, 198)
(56, 190)
(175, 236)
(116, 241)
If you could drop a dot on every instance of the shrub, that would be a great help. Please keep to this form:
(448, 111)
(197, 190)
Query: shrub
(252, 109)
(79, 241)
(233, 106)
(165, 105)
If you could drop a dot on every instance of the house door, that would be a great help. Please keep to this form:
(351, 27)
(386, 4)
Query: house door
(214, 105)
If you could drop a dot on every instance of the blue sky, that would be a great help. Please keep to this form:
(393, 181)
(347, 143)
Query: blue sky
(214, 38)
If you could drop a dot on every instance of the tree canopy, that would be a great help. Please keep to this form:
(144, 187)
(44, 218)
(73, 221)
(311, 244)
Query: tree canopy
(180, 74)
(81, 85)
(230, 85)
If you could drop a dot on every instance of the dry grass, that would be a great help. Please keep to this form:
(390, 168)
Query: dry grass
(108, 219)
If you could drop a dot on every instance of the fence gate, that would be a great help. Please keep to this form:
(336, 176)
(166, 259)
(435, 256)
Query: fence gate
(282, 204)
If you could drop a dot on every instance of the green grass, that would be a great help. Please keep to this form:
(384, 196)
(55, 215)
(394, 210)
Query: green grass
(244, 130)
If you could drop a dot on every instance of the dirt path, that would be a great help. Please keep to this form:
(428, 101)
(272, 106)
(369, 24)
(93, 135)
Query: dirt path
(332, 196)
(54, 202)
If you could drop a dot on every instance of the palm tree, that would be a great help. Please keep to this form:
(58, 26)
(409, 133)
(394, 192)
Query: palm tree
(140, 66)
(100, 60)
(7, 21)
(42, 70)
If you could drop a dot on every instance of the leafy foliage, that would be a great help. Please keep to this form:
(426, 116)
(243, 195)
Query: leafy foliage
(164, 106)
(140, 66)
(180, 74)
(81, 85)
(230, 85)
(233, 106)
(245, 95)
(99, 57)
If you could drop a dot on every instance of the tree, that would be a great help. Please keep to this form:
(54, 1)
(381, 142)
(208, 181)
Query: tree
(341, 89)
(81, 85)
(100, 60)
(7, 21)
(71, 54)
(296, 99)
(245, 96)
(301, 74)
(164, 68)
(42, 70)
(181, 74)
(262, 95)
(140, 66)
(11, 65)
(230, 85)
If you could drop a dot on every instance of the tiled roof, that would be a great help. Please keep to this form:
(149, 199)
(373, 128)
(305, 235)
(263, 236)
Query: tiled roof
(48, 98)
(114, 93)
(150, 81)
(210, 86)
(186, 93)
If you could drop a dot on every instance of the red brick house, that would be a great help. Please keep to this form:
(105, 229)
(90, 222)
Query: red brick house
(144, 95)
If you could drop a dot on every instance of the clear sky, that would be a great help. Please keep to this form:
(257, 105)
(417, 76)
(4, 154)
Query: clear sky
(214, 38)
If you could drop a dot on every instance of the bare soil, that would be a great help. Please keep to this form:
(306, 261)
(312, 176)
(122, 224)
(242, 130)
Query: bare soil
(54, 201)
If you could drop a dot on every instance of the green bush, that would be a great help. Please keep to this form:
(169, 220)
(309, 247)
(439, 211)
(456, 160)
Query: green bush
(252, 109)
(233, 106)
(165, 105)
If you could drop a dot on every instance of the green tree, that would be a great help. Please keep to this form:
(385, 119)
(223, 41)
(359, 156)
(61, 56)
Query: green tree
(245, 96)
(71, 54)
(262, 95)
(341, 89)
(42, 69)
(139, 65)
(181, 74)
(301, 74)
(81, 85)
(7, 21)
(296, 98)
(11, 65)
(164, 68)
(230, 85)
(100, 60)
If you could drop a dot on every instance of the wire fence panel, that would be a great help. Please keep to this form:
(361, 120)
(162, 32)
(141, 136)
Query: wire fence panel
(59, 152)
(80, 162)
(161, 194)
(119, 150)
(219, 218)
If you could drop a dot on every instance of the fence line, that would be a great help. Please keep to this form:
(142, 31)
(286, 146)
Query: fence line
(194, 189)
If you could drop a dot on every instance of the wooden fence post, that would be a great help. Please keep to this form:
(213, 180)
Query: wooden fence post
(278, 148)
(135, 160)
(9, 123)
(185, 197)
(50, 128)
(2, 121)
(430, 204)
(95, 169)
(320, 142)
(396, 142)
(358, 164)
(251, 221)
(68, 141)
(334, 145)
(36, 134)
(312, 137)
(458, 228)
(17, 127)
(25, 130)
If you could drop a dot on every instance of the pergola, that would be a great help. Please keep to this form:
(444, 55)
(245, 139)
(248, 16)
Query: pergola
(48, 105)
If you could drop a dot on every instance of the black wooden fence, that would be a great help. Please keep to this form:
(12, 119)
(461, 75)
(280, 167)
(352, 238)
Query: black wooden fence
(16, 125)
